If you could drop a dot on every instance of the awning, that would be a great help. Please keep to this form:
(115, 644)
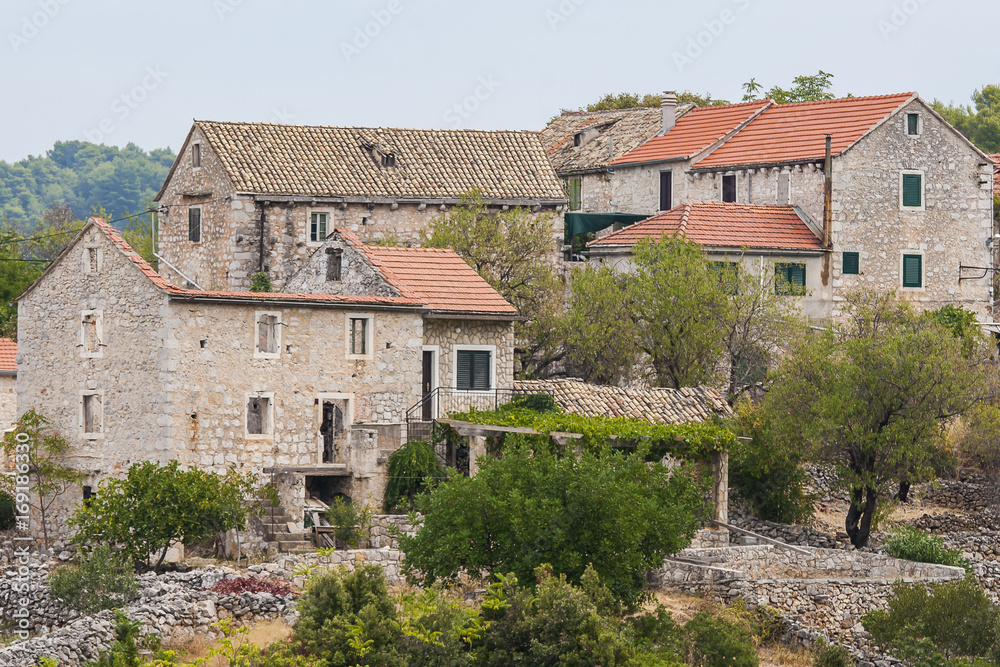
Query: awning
(581, 223)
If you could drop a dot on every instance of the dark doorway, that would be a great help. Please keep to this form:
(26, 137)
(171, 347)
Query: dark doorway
(666, 191)
(427, 386)
(327, 489)
(332, 430)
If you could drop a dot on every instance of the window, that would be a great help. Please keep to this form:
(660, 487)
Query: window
(334, 262)
(574, 190)
(88, 493)
(92, 260)
(317, 227)
(388, 160)
(473, 370)
(912, 190)
(913, 271)
(666, 190)
(92, 334)
(578, 138)
(359, 335)
(359, 331)
(729, 188)
(196, 155)
(912, 124)
(268, 335)
(194, 225)
(728, 274)
(852, 264)
(259, 415)
(790, 279)
(92, 413)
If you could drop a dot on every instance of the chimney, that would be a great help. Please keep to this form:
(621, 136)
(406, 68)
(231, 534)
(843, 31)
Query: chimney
(669, 107)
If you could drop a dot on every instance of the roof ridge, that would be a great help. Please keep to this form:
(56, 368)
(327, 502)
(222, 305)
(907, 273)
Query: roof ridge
(842, 99)
(685, 215)
(366, 250)
(364, 127)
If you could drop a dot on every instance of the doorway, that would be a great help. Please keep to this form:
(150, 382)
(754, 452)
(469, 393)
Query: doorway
(427, 386)
(334, 422)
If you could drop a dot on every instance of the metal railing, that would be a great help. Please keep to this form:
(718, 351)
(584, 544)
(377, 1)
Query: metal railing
(444, 401)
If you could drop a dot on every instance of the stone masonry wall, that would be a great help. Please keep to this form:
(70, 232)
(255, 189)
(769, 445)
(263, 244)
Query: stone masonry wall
(357, 275)
(447, 334)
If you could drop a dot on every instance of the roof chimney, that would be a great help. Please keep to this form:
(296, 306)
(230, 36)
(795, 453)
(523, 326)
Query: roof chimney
(669, 107)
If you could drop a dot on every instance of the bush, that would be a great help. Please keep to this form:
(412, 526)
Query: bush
(911, 544)
(831, 655)
(412, 468)
(439, 628)
(715, 642)
(531, 507)
(8, 511)
(125, 651)
(956, 617)
(259, 282)
(351, 526)
(104, 580)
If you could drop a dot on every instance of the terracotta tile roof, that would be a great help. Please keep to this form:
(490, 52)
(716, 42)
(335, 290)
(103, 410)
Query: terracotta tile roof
(694, 132)
(345, 161)
(722, 225)
(620, 130)
(8, 355)
(660, 406)
(996, 172)
(797, 132)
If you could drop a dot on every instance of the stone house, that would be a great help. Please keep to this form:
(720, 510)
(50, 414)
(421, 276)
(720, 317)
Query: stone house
(8, 383)
(310, 387)
(910, 199)
(243, 198)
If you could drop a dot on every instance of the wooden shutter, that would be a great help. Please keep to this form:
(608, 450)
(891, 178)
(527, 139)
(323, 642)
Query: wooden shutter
(463, 370)
(912, 271)
(797, 275)
(729, 188)
(255, 416)
(194, 224)
(334, 263)
(666, 190)
(473, 370)
(481, 371)
(911, 190)
(911, 123)
(852, 264)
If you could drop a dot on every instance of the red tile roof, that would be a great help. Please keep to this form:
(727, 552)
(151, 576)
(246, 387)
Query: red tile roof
(722, 225)
(996, 172)
(797, 132)
(8, 355)
(694, 132)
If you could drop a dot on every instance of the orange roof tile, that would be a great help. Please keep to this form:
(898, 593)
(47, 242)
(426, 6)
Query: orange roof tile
(722, 225)
(996, 172)
(694, 132)
(8, 355)
(797, 132)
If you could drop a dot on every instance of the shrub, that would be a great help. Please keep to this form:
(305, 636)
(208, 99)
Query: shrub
(831, 655)
(956, 617)
(105, 579)
(439, 628)
(259, 282)
(352, 526)
(531, 507)
(413, 468)
(240, 585)
(125, 651)
(912, 544)
(8, 511)
(715, 642)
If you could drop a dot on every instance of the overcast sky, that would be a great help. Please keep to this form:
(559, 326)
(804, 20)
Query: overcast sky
(115, 71)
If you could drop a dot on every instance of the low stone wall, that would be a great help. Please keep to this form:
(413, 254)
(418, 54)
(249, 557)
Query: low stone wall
(386, 529)
(783, 532)
(298, 567)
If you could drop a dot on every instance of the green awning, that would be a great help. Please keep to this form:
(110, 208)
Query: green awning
(581, 223)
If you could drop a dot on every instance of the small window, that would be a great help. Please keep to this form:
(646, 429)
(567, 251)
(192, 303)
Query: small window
(334, 263)
(913, 271)
(88, 493)
(92, 334)
(93, 414)
(194, 225)
(196, 155)
(728, 274)
(259, 415)
(388, 160)
(578, 138)
(92, 260)
(790, 279)
(359, 335)
(268, 342)
(912, 124)
(317, 228)
(913, 191)
(852, 263)
(473, 370)
(574, 191)
(729, 188)
(666, 190)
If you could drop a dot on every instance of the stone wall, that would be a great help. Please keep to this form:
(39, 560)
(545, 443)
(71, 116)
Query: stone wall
(8, 399)
(358, 276)
(446, 335)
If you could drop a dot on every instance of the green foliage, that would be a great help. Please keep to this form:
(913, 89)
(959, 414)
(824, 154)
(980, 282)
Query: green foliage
(912, 544)
(412, 469)
(961, 324)
(955, 618)
(8, 511)
(631, 101)
(438, 628)
(766, 472)
(831, 655)
(157, 505)
(613, 511)
(805, 88)
(104, 579)
(138, 233)
(979, 124)
(128, 646)
(715, 642)
(353, 525)
(340, 606)
(259, 282)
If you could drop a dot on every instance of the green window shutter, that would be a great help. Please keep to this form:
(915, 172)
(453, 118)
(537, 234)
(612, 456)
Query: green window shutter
(912, 194)
(797, 275)
(852, 264)
(574, 190)
(790, 279)
(912, 271)
(727, 273)
(911, 123)
(473, 370)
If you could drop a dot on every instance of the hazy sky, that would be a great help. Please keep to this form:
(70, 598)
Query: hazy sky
(116, 71)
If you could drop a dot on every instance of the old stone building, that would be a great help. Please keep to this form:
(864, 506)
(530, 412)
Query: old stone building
(910, 199)
(8, 383)
(310, 386)
(243, 198)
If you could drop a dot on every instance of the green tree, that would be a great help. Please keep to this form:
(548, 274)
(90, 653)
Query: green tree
(870, 396)
(805, 88)
(412, 470)
(154, 506)
(631, 100)
(981, 123)
(531, 507)
(103, 579)
(39, 454)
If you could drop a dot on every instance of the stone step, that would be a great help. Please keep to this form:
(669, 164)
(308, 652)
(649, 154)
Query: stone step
(278, 524)
(297, 547)
(290, 537)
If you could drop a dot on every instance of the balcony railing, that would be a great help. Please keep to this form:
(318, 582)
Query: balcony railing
(444, 401)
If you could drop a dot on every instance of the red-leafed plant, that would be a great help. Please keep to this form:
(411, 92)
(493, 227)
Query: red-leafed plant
(250, 585)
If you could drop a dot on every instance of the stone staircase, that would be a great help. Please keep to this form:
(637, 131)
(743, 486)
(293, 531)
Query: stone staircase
(285, 532)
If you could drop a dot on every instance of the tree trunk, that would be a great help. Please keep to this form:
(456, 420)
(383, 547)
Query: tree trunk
(860, 514)
(904, 490)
